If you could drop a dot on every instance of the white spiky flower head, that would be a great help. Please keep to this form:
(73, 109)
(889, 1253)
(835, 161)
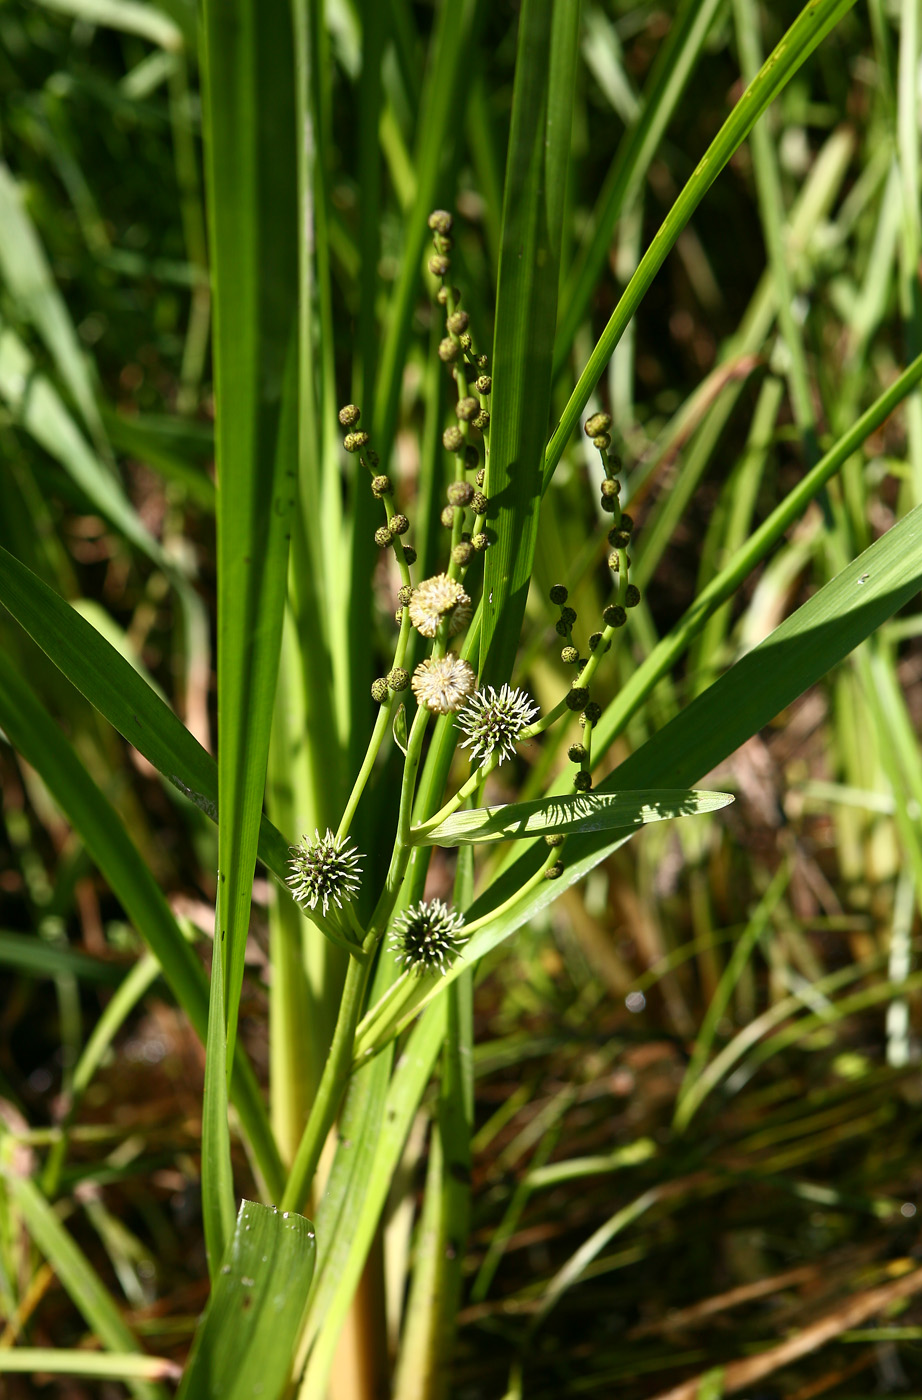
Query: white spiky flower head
(434, 599)
(426, 935)
(443, 683)
(493, 721)
(324, 871)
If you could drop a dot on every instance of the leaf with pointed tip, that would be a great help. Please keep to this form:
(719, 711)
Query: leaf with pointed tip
(575, 812)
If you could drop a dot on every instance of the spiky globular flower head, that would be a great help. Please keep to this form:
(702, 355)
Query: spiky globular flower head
(434, 599)
(426, 935)
(493, 721)
(324, 871)
(443, 683)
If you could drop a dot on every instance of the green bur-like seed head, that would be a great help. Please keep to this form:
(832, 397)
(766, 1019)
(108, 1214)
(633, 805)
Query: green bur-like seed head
(425, 937)
(492, 722)
(324, 871)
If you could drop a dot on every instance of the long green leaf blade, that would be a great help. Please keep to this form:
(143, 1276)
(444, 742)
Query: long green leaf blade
(526, 316)
(574, 812)
(246, 1339)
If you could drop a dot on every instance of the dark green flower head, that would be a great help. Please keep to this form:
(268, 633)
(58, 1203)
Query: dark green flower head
(349, 415)
(598, 423)
(426, 936)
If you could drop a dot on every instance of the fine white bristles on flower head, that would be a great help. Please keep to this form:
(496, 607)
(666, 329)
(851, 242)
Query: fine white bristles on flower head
(324, 871)
(426, 935)
(438, 597)
(443, 683)
(492, 722)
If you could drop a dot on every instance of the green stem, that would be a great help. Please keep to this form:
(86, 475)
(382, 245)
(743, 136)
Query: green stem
(475, 781)
(332, 1085)
(377, 735)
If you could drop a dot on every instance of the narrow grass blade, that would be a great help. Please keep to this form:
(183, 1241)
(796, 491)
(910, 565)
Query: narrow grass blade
(31, 731)
(246, 1339)
(114, 687)
(77, 1276)
(25, 953)
(129, 16)
(575, 812)
(808, 30)
(168, 453)
(526, 316)
(37, 407)
(675, 62)
(104, 1366)
(249, 106)
(36, 295)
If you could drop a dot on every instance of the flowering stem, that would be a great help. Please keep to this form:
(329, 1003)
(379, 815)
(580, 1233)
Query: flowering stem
(473, 783)
(332, 1084)
(377, 736)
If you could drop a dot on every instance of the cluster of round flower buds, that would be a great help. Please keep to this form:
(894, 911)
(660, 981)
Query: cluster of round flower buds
(598, 428)
(357, 440)
(471, 373)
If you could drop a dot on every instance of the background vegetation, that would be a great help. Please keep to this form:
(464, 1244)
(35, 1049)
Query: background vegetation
(695, 1146)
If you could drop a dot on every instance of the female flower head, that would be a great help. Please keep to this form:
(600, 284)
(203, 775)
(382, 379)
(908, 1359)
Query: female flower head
(324, 871)
(426, 935)
(493, 721)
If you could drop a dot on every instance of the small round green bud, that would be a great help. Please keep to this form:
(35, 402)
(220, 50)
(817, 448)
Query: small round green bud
(561, 627)
(611, 487)
(467, 341)
(398, 615)
(483, 362)
(582, 781)
(462, 553)
(482, 421)
(578, 697)
(440, 221)
(609, 504)
(467, 409)
(383, 536)
(479, 543)
(592, 712)
(453, 439)
(399, 524)
(409, 554)
(372, 458)
(349, 415)
(558, 593)
(554, 871)
(449, 350)
(404, 595)
(459, 493)
(614, 562)
(618, 537)
(594, 640)
(484, 384)
(381, 486)
(439, 265)
(614, 615)
(398, 678)
(458, 322)
(569, 656)
(481, 477)
(601, 442)
(480, 503)
(632, 596)
(379, 690)
(577, 753)
(598, 423)
(568, 615)
(442, 296)
(448, 517)
(471, 458)
(554, 840)
(354, 442)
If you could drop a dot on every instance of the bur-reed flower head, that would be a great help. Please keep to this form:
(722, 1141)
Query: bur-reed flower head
(434, 599)
(426, 935)
(492, 721)
(443, 683)
(324, 871)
